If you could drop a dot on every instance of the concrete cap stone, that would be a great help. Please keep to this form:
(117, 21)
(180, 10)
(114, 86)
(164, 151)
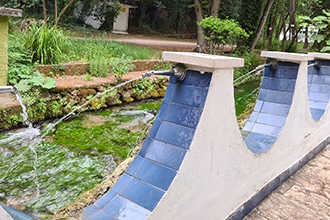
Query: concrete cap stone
(324, 56)
(285, 56)
(203, 61)
(4, 215)
(10, 12)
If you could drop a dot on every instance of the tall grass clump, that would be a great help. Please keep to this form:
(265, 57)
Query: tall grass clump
(86, 49)
(45, 43)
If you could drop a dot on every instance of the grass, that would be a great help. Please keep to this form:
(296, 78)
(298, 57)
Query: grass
(91, 49)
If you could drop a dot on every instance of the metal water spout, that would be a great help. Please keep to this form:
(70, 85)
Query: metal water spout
(8, 89)
(178, 72)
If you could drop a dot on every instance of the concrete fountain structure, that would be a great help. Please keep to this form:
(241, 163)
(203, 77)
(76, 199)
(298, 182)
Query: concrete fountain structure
(197, 164)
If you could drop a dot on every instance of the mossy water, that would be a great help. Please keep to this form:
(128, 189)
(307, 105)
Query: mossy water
(78, 155)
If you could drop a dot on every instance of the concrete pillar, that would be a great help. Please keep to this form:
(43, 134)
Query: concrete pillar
(4, 14)
(3, 50)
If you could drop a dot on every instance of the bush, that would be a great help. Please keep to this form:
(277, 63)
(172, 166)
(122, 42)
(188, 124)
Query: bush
(220, 32)
(46, 44)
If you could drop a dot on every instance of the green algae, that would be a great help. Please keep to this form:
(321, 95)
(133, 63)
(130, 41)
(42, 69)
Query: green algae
(46, 177)
(107, 137)
(43, 178)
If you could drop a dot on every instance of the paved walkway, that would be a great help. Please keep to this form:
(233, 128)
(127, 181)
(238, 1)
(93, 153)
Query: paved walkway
(304, 196)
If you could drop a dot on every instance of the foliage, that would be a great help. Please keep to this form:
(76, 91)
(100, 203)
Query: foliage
(19, 61)
(219, 32)
(90, 49)
(24, 5)
(20, 69)
(251, 62)
(143, 86)
(322, 24)
(99, 67)
(120, 66)
(249, 15)
(46, 44)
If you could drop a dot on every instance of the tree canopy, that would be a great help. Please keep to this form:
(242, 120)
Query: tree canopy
(270, 24)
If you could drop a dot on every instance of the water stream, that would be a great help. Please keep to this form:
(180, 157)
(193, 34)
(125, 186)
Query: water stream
(32, 166)
(45, 168)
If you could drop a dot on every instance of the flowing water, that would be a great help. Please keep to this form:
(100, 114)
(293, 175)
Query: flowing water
(42, 169)
(46, 168)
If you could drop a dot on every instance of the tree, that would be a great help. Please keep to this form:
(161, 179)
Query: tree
(203, 9)
(58, 16)
(220, 32)
(250, 13)
(261, 24)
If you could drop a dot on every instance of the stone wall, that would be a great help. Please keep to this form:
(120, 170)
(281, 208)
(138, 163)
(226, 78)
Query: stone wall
(57, 102)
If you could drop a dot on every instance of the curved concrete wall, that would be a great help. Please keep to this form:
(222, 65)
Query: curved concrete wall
(195, 164)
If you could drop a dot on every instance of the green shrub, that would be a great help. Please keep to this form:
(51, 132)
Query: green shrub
(219, 32)
(46, 44)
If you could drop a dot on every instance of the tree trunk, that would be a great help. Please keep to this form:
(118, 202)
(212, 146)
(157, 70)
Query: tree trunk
(55, 6)
(292, 16)
(200, 34)
(44, 9)
(215, 8)
(261, 24)
(306, 38)
(62, 11)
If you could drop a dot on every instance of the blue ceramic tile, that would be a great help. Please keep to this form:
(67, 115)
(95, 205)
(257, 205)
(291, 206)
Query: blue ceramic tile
(155, 128)
(253, 146)
(145, 146)
(265, 82)
(266, 129)
(286, 85)
(195, 78)
(285, 71)
(259, 142)
(184, 115)
(121, 183)
(275, 108)
(324, 63)
(274, 120)
(320, 79)
(320, 88)
(317, 113)
(262, 94)
(318, 104)
(100, 215)
(166, 154)
(143, 194)
(105, 199)
(89, 210)
(155, 174)
(309, 78)
(123, 209)
(248, 126)
(134, 166)
(162, 111)
(190, 95)
(318, 97)
(278, 97)
(258, 106)
(169, 93)
(254, 116)
(175, 134)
